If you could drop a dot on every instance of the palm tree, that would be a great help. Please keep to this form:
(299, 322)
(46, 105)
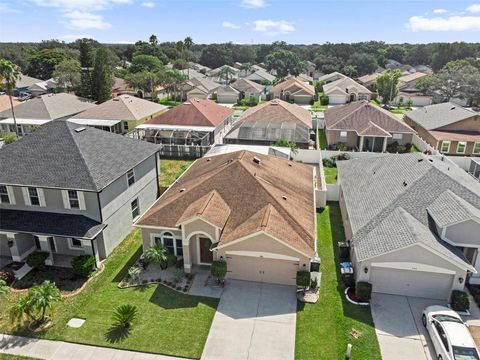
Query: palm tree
(247, 67)
(9, 75)
(124, 315)
(35, 304)
(226, 71)
(188, 44)
(156, 254)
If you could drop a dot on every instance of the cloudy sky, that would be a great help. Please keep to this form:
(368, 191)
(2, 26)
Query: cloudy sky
(241, 21)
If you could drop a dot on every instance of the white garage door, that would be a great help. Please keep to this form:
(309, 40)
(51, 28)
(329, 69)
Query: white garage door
(335, 100)
(262, 269)
(411, 283)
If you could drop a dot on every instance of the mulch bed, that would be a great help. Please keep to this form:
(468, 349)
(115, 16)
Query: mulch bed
(351, 294)
(65, 279)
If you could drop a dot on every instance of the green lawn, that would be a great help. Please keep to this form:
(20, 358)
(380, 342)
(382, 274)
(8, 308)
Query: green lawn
(170, 170)
(330, 175)
(15, 357)
(317, 106)
(375, 102)
(322, 139)
(400, 110)
(323, 328)
(168, 322)
(413, 149)
(167, 101)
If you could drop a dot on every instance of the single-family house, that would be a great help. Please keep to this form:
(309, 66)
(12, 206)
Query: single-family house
(302, 77)
(345, 90)
(199, 88)
(294, 90)
(262, 224)
(33, 113)
(189, 129)
(409, 93)
(262, 76)
(269, 122)
(328, 78)
(30, 85)
(119, 115)
(216, 75)
(71, 190)
(449, 128)
(369, 80)
(120, 87)
(412, 222)
(241, 89)
(364, 126)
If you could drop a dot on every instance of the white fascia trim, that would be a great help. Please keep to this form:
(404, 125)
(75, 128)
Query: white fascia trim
(266, 255)
(265, 233)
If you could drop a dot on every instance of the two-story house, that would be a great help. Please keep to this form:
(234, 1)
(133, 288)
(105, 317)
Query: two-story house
(72, 190)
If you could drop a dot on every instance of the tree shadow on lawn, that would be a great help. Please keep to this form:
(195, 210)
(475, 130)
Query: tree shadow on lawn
(171, 299)
(116, 334)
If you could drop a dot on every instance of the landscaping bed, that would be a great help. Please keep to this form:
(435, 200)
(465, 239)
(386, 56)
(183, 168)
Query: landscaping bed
(168, 322)
(65, 279)
(324, 329)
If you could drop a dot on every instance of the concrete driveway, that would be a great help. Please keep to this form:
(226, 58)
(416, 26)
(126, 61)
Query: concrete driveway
(253, 321)
(399, 328)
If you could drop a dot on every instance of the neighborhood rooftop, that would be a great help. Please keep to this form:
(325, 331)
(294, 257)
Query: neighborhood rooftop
(438, 115)
(65, 155)
(268, 194)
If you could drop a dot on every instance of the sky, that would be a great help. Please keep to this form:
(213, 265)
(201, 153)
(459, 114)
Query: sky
(241, 21)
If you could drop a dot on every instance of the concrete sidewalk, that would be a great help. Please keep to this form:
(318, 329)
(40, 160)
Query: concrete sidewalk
(59, 350)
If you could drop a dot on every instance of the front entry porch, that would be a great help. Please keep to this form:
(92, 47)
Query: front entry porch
(197, 251)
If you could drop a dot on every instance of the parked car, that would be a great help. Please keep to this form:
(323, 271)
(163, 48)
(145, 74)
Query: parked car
(450, 335)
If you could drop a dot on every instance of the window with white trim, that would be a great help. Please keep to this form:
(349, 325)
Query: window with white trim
(462, 145)
(75, 243)
(135, 208)
(445, 146)
(33, 196)
(73, 199)
(4, 198)
(343, 134)
(130, 177)
(397, 136)
(476, 148)
(173, 245)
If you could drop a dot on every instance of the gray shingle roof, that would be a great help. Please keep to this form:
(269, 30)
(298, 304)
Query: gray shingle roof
(436, 116)
(49, 107)
(375, 188)
(42, 222)
(450, 209)
(58, 156)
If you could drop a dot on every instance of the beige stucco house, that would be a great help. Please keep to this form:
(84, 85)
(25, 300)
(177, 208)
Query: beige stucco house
(412, 223)
(262, 223)
(345, 90)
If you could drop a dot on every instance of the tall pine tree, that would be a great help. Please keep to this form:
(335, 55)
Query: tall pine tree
(102, 77)
(86, 63)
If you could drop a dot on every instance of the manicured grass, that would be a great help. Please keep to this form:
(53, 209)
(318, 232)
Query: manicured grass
(317, 106)
(400, 110)
(330, 175)
(167, 101)
(170, 170)
(15, 357)
(375, 102)
(168, 322)
(323, 328)
(322, 139)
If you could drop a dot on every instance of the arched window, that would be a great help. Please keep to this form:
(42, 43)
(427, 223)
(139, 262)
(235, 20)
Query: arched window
(173, 245)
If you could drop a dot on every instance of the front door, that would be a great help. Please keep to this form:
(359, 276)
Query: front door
(206, 256)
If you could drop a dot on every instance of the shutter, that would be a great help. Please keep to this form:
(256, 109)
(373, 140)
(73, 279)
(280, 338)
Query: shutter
(11, 195)
(41, 197)
(66, 202)
(26, 197)
(81, 200)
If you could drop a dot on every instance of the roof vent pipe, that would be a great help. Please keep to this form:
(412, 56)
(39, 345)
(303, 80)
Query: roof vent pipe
(256, 160)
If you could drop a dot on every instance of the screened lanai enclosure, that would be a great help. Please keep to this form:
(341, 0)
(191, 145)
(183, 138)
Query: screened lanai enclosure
(178, 141)
(269, 132)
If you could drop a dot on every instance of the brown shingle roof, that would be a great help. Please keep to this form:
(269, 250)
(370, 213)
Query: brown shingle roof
(275, 196)
(123, 107)
(278, 111)
(287, 84)
(360, 116)
(247, 85)
(194, 112)
(411, 77)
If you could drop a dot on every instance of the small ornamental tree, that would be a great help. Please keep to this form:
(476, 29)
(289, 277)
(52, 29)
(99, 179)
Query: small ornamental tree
(36, 260)
(83, 265)
(303, 279)
(219, 270)
(124, 315)
(157, 254)
(459, 300)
